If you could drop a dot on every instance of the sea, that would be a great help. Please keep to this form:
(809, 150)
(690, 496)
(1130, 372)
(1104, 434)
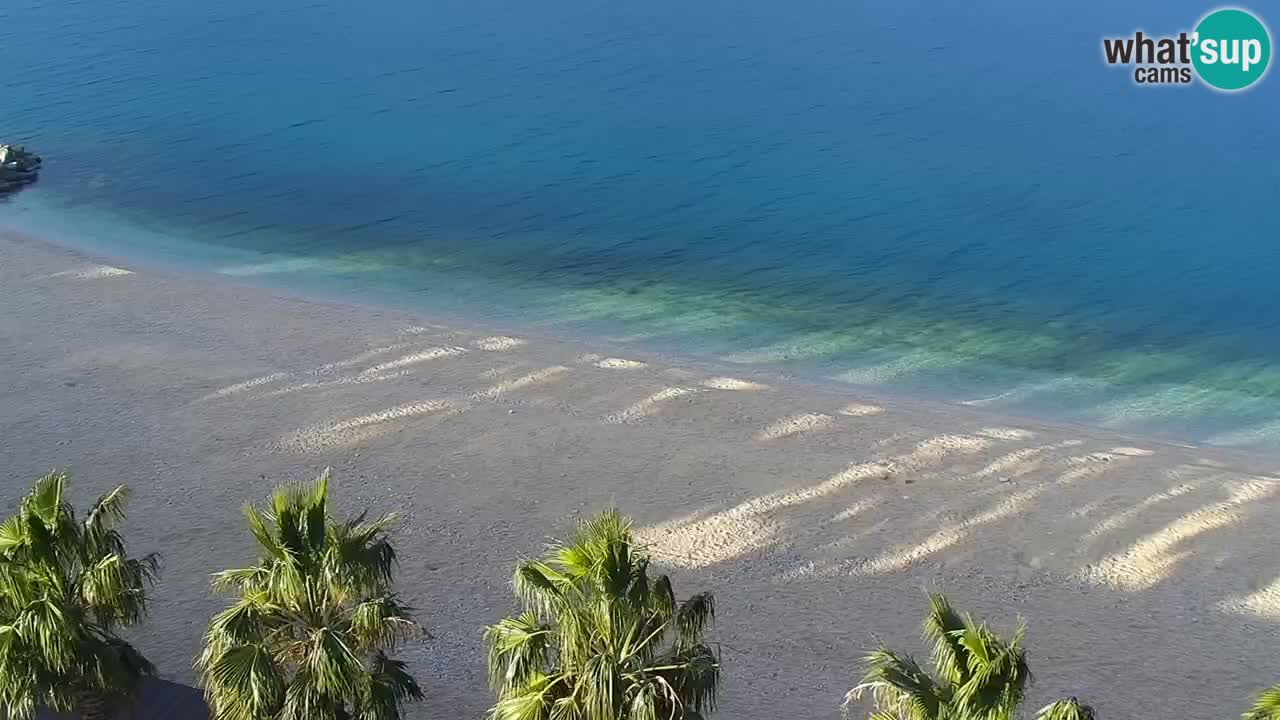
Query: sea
(956, 201)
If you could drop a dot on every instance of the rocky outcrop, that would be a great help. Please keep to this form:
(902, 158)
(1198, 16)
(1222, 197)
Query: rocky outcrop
(17, 167)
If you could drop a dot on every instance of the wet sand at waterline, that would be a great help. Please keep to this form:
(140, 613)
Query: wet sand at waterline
(817, 515)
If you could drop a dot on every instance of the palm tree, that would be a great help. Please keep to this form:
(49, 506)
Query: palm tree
(1069, 709)
(600, 639)
(309, 634)
(66, 588)
(1267, 706)
(980, 675)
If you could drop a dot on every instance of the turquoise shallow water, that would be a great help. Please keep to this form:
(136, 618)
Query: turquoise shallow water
(962, 202)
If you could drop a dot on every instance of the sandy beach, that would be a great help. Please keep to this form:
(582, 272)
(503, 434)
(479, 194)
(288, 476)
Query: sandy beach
(817, 515)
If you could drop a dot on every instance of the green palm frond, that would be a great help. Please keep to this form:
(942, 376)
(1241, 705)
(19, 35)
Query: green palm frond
(100, 524)
(41, 543)
(240, 579)
(899, 688)
(380, 622)
(65, 588)
(695, 678)
(592, 642)
(980, 676)
(362, 550)
(1068, 709)
(943, 628)
(390, 686)
(243, 623)
(318, 612)
(12, 533)
(266, 540)
(693, 617)
(518, 650)
(543, 697)
(45, 499)
(302, 701)
(248, 682)
(119, 663)
(539, 584)
(1266, 706)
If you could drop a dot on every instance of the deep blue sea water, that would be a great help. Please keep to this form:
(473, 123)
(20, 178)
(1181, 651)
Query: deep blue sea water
(954, 199)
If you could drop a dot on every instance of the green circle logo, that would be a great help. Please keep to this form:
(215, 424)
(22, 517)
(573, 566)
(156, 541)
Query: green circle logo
(1232, 49)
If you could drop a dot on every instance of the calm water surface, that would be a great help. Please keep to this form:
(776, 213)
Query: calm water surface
(962, 202)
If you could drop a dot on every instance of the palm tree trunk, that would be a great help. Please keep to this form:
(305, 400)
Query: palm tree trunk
(93, 704)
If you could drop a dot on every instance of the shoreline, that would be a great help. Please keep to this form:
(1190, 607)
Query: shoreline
(816, 513)
(814, 375)
(1175, 393)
